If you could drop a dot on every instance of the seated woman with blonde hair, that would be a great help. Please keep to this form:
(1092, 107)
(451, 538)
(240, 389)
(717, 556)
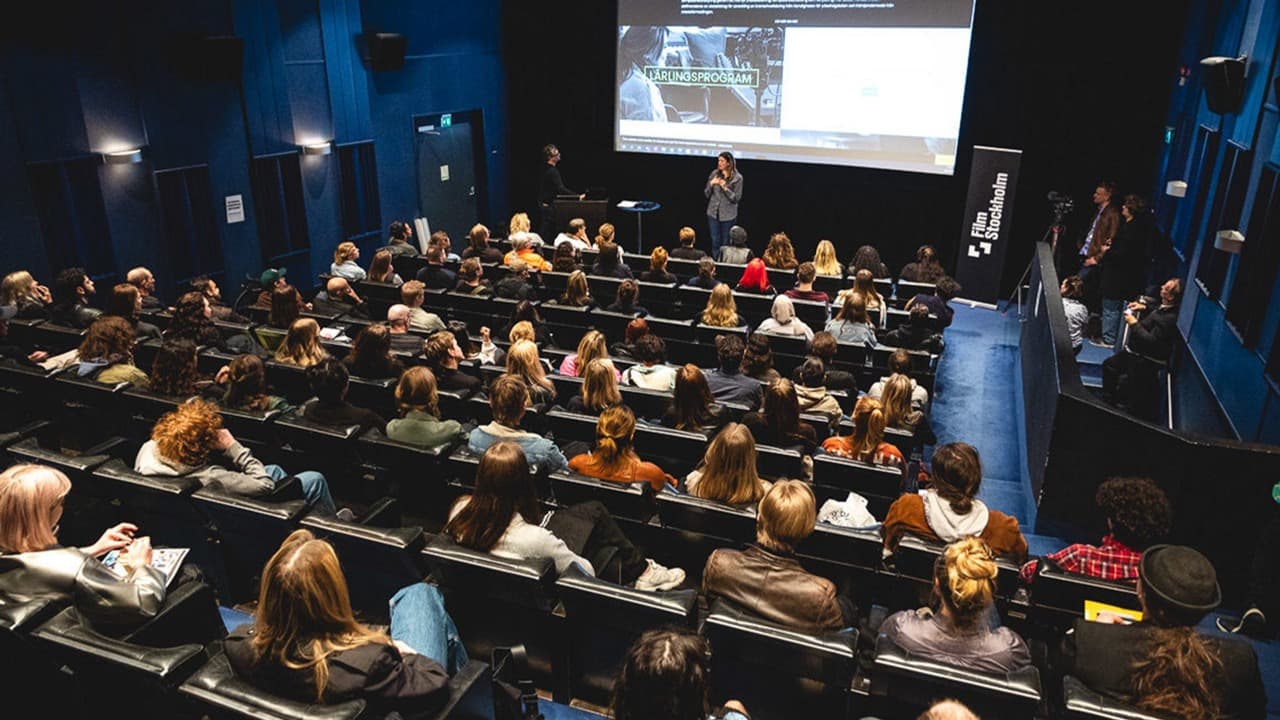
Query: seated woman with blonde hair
(305, 643)
(727, 473)
(33, 564)
(344, 262)
(592, 346)
(866, 442)
(599, 390)
(958, 631)
(524, 362)
(301, 346)
(721, 309)
(614, 457)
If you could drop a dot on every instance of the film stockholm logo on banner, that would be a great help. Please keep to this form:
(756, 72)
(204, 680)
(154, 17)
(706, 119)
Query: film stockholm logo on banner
(986, 226)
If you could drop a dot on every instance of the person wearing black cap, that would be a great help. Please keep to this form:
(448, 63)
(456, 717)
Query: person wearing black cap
(1162, 664)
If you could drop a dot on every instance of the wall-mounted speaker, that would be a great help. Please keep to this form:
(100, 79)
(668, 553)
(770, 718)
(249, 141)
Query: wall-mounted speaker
(1223, 83)
(386, 51)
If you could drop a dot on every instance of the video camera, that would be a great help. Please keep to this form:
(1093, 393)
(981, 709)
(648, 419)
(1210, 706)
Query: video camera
(1061, 204)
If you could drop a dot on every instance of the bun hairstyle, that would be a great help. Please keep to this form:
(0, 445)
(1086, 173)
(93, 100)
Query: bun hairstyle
(965, 578)
(957, 474)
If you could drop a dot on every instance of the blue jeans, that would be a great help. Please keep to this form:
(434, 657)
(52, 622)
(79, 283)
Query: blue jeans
(314, 487)
(1111, 310)
(419, 620)
(719, 234)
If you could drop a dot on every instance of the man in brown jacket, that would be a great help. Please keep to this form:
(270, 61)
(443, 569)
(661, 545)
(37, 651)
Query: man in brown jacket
(766, 579)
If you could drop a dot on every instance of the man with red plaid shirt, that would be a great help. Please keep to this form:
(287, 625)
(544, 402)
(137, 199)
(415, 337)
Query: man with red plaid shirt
(1138, 515)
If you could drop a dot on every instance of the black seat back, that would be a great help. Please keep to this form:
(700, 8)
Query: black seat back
(910, 684)
(1085, 703)
(1058, 597)
(221, 693)
(250, 531)
(377, 561)
(879, 484)
(630, 501)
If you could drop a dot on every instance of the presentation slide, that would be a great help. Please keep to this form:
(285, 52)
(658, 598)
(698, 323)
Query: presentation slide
(866, 84)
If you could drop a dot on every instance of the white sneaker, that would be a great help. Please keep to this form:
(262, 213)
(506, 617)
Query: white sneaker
(657, 577)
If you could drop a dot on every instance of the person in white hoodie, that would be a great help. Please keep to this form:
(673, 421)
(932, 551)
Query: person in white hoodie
(652, 372)
(577, 235)
(183, 440)
(813, 395)
(784, 320)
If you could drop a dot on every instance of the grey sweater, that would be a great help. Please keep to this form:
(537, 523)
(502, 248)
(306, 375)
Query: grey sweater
(247, 475)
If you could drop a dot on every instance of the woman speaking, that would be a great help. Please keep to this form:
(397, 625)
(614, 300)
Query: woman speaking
(723, 191)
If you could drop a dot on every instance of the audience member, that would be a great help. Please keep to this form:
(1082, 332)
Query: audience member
(271, 280)
(1162, 665)
(576, 235)
(627, 301)
(412, 295)
(948, 710)
(657, 272)
(524, 362)
(868, 258)
(721, 309)
(106, 353)
(917, 333)
(443, 353)
(1138, 515)
(509, 398)
(651, 372)
(1074, 308)
(757, 359)
(478, 246)
(958, 631)
(779, 254)
(19, 355)
(824, 348)
(35, 564)
(812, 395)
(183, 443)
(305, 643)
(207, 287)
(590, 347)
(518, 229)
(824, 260)
(516, 285)
(193, 320)
(145, 281)
(126, 302)
(609, 262)
(419, 422)
(370, 355)
(599, 389)
(687, 251)
(805, 275)
(504, 517)
(614, 457)
(636, 329)
(245, 378)
(606, 233)
(31, 299)
(398, 329)
(1128, 377)
(706, 277)
(329, 382)
(174, 372)
(778, 422)
(767, 579)
(693, 407)
(381, 270)
(565, 258)
(851, 324)
(898, 412)
(435, 276)
(576, 291)
(666, 676)
(736, 252)
(727, 473)
(864, 284)
(527, 311)
(943, 292)
(522, 249)
(441, 240)
(301, 346)
(900, 364)
(727, 382)
(755, 279)
(947, 509)
(783, 321)
(344, 263)
(399, 235)
(866, 442)
(339, 297)
(925, 268)
(71, 291)
(285, 307)
(471, 278)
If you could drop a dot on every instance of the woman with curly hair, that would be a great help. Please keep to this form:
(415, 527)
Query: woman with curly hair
(779, 254)
(193, 320)
(174, 372)
(576, 292)
(301, 346)
(868, 258)
(824, 260)
(344, 263)
(184, 441)
(721, 309)
(957, 629)
(565, 258)
(106, 353)
(246, 380)
(1138, 515)
(757, 359)
(371, 354)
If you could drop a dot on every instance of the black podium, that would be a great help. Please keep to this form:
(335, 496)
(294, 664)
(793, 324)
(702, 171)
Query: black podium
(594, 212)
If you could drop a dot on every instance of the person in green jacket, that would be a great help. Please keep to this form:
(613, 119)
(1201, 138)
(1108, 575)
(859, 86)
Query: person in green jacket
(419, 422)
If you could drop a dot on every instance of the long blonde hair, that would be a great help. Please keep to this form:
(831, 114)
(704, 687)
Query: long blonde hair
(576, 291)
(729, 470)
(301, 345)
(519, 223)
(522, 330)
(344, 252)
(304, 610)
(615, 431)
(592, 346)
(16, 286)
(600, 385)
(721, 310)
(524, 362)
(29, 494)
(824, 259)
(868, 428)
(896, 398)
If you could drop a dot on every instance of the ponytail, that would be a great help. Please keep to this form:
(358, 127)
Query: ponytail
(614, 430)
(1177, 675)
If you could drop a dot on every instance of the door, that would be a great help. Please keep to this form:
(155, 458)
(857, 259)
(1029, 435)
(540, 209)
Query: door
(450, 150)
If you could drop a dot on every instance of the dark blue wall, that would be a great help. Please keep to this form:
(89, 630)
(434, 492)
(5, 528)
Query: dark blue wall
(106, 79)
(1233, 366)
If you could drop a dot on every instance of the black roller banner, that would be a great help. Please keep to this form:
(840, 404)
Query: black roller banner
(988, 221)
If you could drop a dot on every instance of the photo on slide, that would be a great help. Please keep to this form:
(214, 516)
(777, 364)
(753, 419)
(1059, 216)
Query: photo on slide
(711, 75)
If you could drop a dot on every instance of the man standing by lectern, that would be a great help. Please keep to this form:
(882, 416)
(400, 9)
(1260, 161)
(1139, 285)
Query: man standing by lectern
(551, 187)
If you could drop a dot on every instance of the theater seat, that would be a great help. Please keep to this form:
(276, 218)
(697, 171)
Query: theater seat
(26, 669)
(377, 561)
(222, 694)
(908, 684)
(835, 477)
(915, 558)
(603, 620)
(778, 672)
(1058, 597)
(413, 474)
(626, 501)
(250, 531)
(1083, 703)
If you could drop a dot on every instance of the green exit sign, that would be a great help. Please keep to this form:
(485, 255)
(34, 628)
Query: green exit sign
(446, 121)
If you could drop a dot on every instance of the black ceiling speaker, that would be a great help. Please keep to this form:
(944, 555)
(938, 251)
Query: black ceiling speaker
(210, 58)
(1223, 83)
(386, 51)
